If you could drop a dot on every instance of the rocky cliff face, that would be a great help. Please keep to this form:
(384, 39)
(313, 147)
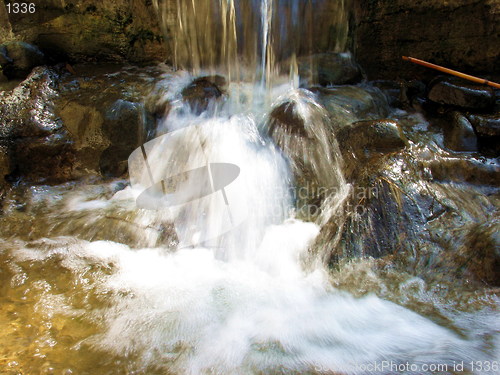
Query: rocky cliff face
(460, 34)
(77, 30)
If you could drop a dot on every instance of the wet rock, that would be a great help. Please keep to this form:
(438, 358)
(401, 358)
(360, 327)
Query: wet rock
(370, 138)
(4, 163)
(460, 136)
(47, 159)
(480, 255)
(347, 104)
(486, 125)
(123, 126)
(157, 103)
(39, 147)
(84, 124)
(27, 111)
(488, 130)
(330, 69)
(287, 119)
(393, 90)
(463, 170)
(200, 93)
(457, 92)
(17, 59)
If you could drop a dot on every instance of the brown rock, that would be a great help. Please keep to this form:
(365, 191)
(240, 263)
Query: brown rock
(369, 138)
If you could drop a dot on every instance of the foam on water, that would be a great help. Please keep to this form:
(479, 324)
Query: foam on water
(191, 313)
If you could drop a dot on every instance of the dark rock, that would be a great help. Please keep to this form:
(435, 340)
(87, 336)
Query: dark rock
(457, 92)
(460, 135)
(393, 90)
(462, 35)
(4, 56)
(488, 130)
(371, 138)
(330, 69)
(157, 103)
(47, 159)
(486, 125)
(123, 126)
(17, 59)
(4, 163)
(200, 93)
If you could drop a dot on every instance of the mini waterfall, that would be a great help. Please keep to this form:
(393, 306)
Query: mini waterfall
(241, 290)
(251, 40)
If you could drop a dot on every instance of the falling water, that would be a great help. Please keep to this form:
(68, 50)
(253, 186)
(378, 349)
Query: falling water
(255, 40)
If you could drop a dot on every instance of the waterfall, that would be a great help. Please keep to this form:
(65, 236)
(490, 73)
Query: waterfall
(227, 276)
(251, 39)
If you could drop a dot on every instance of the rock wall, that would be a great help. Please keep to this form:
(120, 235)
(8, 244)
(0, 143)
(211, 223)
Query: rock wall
(459, 34)
(81, 30)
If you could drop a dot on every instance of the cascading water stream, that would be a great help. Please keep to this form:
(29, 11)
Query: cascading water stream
(239, 293)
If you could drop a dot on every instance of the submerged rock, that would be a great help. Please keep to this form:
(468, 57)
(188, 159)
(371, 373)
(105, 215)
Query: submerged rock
(458, 92)
(330, 69)
(17, 59)
(200, 93)
(460, 136)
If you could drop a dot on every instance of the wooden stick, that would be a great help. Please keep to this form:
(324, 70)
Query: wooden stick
(452, 72)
